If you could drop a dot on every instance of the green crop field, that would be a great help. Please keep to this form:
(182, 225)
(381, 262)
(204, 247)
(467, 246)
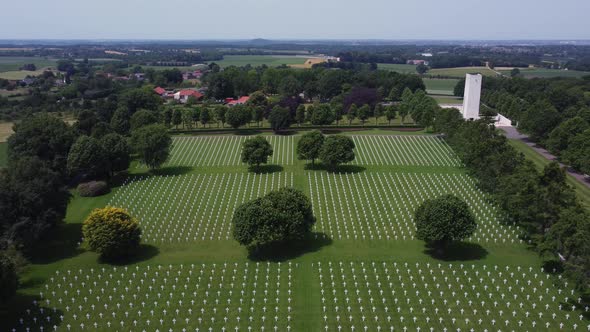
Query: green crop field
(259, 60)
(440, 86)
(461, 71)
(400, 68)
(547, 73)
(13, 63)
(361, 269)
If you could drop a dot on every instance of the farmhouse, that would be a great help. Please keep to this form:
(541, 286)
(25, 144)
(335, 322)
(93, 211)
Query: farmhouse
(160, 91)
(417, 62)
(240, 101)
(183, 95)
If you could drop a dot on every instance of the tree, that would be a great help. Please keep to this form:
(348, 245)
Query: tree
(289, 86)
(86, 120)
(280, 216)
(363, 113)
(378, 112)
(337, 150)
(120, 122)
(577, 153)
(220, 112)
(322, 115)
(560, 137)
(33, 199)
(390, 113)
(8, 277)
(444, 220)
(257, 98)
(88, 158)
(176, 117)
(539, 120)
(117, 151)
(205, 116)
(143, 118)
(255, 151)
(152, 143)
(279, 118)
(300, 114)
(421, 69)
(351, 115)
(238, 116)
(43, 136)
(515, 72)
(337, 109)
(168, 117)
(111, 232)
(310, 145)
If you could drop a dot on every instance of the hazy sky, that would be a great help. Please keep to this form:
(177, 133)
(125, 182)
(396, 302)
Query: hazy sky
(310, 19)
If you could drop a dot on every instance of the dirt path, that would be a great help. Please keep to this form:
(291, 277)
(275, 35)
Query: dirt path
(512, 133)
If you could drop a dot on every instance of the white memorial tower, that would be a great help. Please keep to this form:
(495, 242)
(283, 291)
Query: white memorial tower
(471, 96)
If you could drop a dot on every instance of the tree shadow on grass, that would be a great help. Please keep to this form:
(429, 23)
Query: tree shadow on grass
(459, 251)
(16, 308)
(59, 243)
(339, 169)
(144, 252)
(291, 249)
(247, 132)
(266, 169)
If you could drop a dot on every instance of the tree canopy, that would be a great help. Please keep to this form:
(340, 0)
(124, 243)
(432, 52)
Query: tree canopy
(309, 146)
(282, 215)
(337, 150)
(255, 151)
(111, 232)
(152, 144)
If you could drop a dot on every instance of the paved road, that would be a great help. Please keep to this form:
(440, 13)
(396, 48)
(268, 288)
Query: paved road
(512, 133)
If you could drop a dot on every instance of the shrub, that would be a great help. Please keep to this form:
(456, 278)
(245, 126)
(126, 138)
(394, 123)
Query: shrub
(93, 188)
(111, 232)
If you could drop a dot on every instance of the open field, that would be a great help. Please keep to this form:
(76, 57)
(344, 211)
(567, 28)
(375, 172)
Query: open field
(440, 86)
(461, 71)
(259, 60)
(13, 63)
(21, 74)
(400, 68)
(361, 269)
(547, 73)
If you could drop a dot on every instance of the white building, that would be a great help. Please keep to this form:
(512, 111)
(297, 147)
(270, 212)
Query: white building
(472, 96)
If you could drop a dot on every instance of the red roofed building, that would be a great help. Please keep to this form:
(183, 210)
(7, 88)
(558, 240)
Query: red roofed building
(160, 91)
(240, 101)
(184, 95)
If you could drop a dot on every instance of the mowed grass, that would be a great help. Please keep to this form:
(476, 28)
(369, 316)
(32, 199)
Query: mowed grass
(259, 60)
(400, 68)
(460, 72)
(321, 283)
(13, 63)
(439, 86)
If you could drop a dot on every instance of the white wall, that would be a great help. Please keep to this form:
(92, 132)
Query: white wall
(472, 96)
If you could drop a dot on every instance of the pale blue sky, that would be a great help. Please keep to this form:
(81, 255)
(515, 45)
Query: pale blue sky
(306, 19)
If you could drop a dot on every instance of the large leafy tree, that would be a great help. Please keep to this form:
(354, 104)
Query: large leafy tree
(152, 144)
(255, 151)
(279, 118)
(88, 158)
(337, 150)
(577, 153)
(143, 118)
(117, 150)
(140, 98)
(120, 122)
(560, 137)
(309, 146)
(539, 120)
(33, 199)
(42, 136)
(444, 220)
(322, 115)
(300, 114)
(280, 216)
(111, 232)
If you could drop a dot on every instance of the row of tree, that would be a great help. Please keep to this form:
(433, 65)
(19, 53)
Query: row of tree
(541, 203)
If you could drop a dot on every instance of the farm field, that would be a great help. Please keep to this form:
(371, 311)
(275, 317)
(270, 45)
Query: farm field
(460, 71)
(13, 63)
(440, 86)
(259, 60)
(361, 270)
(400, 68)
(547, 73)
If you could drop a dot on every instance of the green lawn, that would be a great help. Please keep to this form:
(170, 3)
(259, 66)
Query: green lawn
(440, 86)
(13, 63)
(582, 191)
(447, 99)
(400, 68)
(461, 71)
(547, 73)
(259, 60)
(362, 266)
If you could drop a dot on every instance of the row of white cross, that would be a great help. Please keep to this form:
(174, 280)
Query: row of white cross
(192, 207)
